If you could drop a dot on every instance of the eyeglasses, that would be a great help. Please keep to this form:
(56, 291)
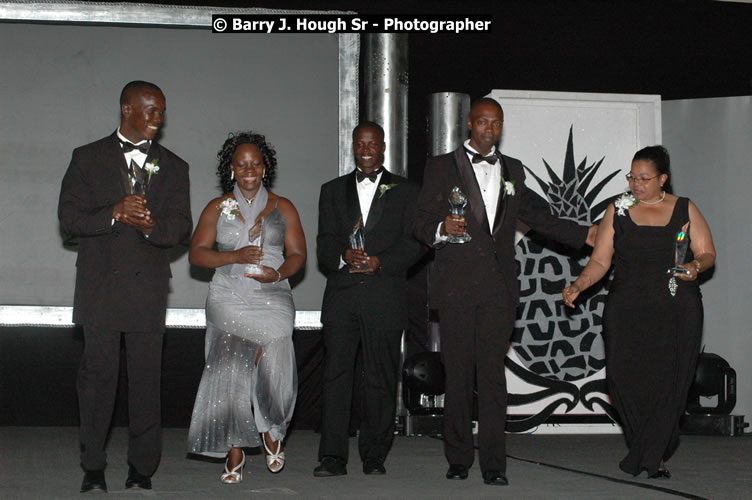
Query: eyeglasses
(632, 178)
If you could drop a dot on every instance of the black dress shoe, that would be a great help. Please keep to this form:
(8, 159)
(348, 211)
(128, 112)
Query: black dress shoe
(373, 466)
(456, 471)
(94, 482)
(660, 474)
(137, 480)
(495, 478)
(330, 466)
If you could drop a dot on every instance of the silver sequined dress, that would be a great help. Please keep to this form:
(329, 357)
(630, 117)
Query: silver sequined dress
(238, 399)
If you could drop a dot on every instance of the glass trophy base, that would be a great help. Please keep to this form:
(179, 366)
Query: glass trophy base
(253, 269)
(453, 238)
(679, 270)
(361, 267)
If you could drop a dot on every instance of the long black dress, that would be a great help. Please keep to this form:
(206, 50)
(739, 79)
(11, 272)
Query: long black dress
(652, 338)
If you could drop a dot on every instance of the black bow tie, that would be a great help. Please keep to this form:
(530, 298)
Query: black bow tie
(360, 175)
(477, 157)
(129, 146)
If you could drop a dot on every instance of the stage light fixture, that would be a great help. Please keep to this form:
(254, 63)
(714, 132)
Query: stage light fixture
(424, 373)
(714, 378)
(423, 394)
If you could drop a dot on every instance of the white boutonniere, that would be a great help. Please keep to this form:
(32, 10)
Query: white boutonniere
(151, 168)
(229, 208)
(385, 187)
(509, 188)
(625, 202)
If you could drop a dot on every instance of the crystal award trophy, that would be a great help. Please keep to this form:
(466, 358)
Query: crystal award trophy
(137, 176)
(358, 242)
(256, 239)
(457, 204)
(681, 243)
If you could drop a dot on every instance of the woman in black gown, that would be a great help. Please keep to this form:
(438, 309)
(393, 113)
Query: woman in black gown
(652, 322)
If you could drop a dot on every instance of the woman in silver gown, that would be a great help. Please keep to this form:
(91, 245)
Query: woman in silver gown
(249, 384)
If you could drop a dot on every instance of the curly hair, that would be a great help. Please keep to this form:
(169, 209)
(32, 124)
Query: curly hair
(268, 154)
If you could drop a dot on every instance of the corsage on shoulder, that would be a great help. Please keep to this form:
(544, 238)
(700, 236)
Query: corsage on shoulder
(386, 187)
(625, 202)
(151, 168)
(229, 208)
(509, 188)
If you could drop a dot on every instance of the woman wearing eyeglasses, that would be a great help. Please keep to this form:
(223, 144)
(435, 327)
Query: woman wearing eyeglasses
(652, 322)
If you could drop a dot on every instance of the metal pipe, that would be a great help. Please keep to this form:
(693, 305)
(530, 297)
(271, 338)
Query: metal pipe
(385, 82)
(447, 121)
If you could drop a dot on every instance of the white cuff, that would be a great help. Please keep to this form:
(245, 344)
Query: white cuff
(439, 238)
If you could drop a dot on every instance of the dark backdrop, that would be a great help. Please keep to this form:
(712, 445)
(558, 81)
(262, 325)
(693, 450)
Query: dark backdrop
(677, 49)
(38, 376)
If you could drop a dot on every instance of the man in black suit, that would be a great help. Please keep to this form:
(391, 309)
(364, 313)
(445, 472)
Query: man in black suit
(122, 275)
(477, 281)
(365, 300)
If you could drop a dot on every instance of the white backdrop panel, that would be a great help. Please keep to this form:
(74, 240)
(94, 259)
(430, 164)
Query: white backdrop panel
(605, 129)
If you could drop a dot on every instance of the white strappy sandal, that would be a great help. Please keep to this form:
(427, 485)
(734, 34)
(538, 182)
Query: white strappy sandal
(275, 462)
(235, 475)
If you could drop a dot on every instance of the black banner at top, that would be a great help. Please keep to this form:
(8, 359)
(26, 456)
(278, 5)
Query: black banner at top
(350, 23)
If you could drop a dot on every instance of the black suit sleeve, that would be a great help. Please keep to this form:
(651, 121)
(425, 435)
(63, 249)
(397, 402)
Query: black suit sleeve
(174, 225)
(536, 213)
(78, 214)
(406, 250)
(432, 206)
(330, 243)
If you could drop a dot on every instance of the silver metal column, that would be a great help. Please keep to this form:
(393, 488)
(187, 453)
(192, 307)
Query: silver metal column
(384, 57)
(349, 57)
(447, 121)
(385, 81)
(447, 130)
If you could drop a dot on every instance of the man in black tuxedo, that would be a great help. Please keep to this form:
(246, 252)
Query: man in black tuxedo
(365, 300)
(122, 275)
(477, 282)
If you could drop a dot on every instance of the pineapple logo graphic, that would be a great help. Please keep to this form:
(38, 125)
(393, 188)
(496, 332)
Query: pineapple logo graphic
(555, 345)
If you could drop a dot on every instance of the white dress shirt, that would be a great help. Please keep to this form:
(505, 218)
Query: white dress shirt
(135, 155)
(366, 191)
(488, 176)
(138, 158)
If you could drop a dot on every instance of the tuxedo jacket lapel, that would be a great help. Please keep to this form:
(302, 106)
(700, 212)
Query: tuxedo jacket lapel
(377, 204)
(153, 154)
(472, 190)
(116, 152)
(353, 205)
(501, 204)
(116, 160)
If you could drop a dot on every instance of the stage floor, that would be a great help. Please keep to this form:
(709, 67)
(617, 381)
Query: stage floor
(42, 462)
